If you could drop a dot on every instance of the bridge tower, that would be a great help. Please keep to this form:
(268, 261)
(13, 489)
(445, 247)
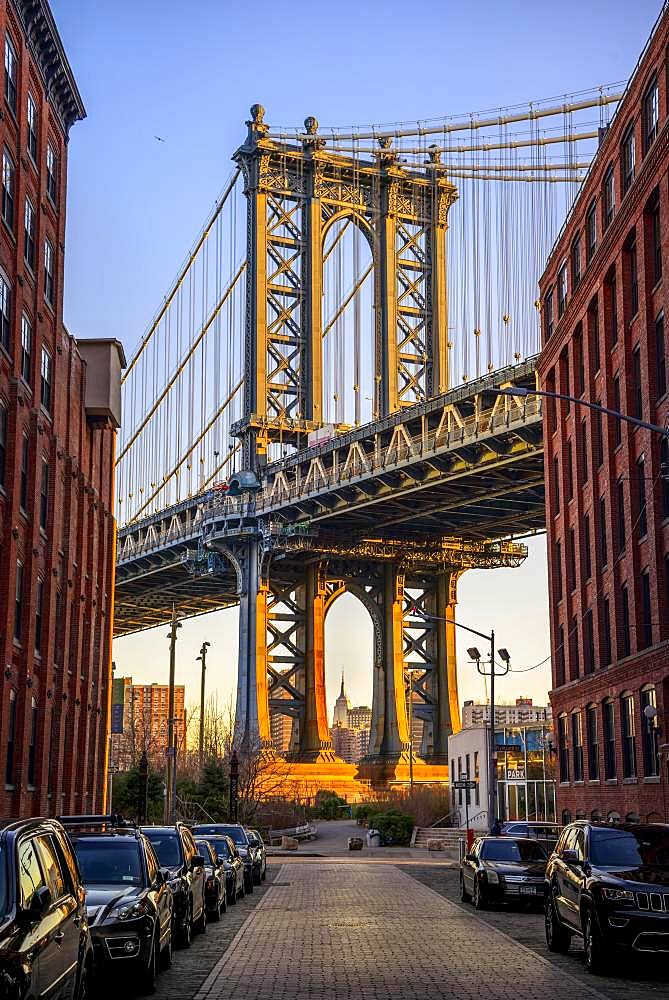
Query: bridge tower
(295, 192)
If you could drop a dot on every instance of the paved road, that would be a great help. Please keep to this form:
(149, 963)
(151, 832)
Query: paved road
(337, 930)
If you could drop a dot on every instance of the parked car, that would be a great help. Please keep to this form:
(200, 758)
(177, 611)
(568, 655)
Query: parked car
(45, 943)
(503, 870)
(610, 886)
(214, 884)
(547, 834)
(233, 864)
(240, 838)
(177, 853)
(257, 845)
(127, 899)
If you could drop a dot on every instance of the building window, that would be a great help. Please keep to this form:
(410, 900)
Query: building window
(39, 610)
(646, 630)
(593, 331)
(637, 391)
(664, 475)
(598, 427)
(565, 386)
(11, 739)
(579, 361)
(46, 377)
(577, 745)
(573, 648)
(32, 745)
(51, 173)
(8, 174)
(650, 115)
(655, 234)
(44, 495)
(570, 471)
(608, 197)
(587, 557)
(625, 616)
(588, 643)
(563, 749)
(633, 273)
(616, 406)
(23, 474)
(593, 745)
(11, 63)
(660, 356)
(29, 234)
(651, 733)
(620, 504)
(606, 633)
(627, 159)
(642, 520)
(556, 485)
(603, 547)
(584, 451)
(609, 737)
(48, 272)
(611, 306)
(590, 232)
(18, 602)
(558, 568)
(628, 732)
(572, 559)
(31, 119)
(3, 444)
(5, 313)
(562, 289)
(26, 348)
(561, 665)
(576, 262)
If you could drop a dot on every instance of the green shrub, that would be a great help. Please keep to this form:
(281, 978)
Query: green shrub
(394, 826)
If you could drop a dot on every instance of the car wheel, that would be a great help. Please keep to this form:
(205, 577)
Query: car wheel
(242, 891)
(215, 914)
(593, 945)
(186, 931)
(200, 925)
(84, 984)
(479, 898)
(147, 979)
(264, 874)
(557, 938)
(232, 897)
(257, 878)
(166, 953)
(248, 884)
(464, 895)
(223, 908)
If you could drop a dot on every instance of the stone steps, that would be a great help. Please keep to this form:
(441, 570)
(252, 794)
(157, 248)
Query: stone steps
(448, 835)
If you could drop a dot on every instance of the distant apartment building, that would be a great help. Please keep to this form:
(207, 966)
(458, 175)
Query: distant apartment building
(351, 728)
(140, 722)
(521, 713)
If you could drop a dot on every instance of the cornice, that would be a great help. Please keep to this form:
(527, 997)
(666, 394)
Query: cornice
(602, 259)
(47, 49)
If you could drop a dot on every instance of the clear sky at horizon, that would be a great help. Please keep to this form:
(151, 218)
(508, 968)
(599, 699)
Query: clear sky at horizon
(135, 204)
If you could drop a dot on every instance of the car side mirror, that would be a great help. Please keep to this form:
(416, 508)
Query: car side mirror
(165, 873)
(39, 904)
(197, 861)
(470, 857)
(571, 858)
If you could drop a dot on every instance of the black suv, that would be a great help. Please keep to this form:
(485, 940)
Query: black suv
(257, 844)
(240, 838)
(129, 904)
(178, 854)
(610, 886)
(45, 944)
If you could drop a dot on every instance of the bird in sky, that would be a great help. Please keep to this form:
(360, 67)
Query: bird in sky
(159, 138)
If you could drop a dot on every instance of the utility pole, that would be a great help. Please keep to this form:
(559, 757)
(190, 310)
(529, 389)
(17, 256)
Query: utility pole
(203, 659)
(171, 782)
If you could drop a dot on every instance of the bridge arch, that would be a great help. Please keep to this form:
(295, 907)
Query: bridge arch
(350, 382)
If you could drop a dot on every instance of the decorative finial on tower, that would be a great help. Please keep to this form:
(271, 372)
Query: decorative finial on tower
(385, 142)
(386, 154)
(311, 139)
(311, 125)
(434, 154)
(342, 693)
(256, 125)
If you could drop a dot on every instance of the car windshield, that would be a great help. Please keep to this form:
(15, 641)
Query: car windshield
(109, 862)
(236, 833)
(630, 848)
(221, 846)
(167, 846)
(203, 848)
(512, 850)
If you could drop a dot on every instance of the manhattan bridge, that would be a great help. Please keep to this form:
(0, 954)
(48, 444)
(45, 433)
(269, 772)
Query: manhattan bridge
(314, 408)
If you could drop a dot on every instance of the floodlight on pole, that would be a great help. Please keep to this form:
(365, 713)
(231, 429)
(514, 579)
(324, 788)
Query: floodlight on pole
(504, 655)
(473, 653)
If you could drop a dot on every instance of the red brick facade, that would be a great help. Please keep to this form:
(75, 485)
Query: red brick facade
(606, 339)
(56, 469)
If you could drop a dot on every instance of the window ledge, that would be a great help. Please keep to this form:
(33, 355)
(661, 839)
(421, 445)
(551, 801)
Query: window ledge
(593, 781)
(610, 781)
(657, 286)
(579, 784)
(30, 788)
(17, 643)
(564, 784)
(9, 788)
(9, 231)
(651, 779)
(631, 781)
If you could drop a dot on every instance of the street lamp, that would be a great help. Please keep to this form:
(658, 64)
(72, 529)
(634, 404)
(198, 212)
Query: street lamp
(171, 783)
(202, 658)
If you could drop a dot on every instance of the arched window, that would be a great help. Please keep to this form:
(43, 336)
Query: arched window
(613, 816)
(596, 815)
(566, 817)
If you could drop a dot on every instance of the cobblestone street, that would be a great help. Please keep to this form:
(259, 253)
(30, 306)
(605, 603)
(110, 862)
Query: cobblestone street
(323, 930)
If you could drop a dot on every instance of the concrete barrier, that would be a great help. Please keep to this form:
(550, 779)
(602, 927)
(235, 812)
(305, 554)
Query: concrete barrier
(289, 843)
(435, 845)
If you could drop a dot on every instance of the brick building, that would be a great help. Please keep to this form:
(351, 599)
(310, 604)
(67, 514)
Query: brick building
(59, 403)
(145, 728)
(605, 339)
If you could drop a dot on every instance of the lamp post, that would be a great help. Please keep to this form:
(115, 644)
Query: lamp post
(409, 669)
(234, 786)
(492, 762)
(171, 783)
(202, 658)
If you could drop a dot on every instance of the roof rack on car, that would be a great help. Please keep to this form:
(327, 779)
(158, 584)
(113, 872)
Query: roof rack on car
(113, 821)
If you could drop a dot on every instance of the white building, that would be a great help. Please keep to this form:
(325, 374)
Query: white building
(523, 713)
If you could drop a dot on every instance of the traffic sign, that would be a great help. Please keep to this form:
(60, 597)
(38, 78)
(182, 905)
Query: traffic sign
(464, 784)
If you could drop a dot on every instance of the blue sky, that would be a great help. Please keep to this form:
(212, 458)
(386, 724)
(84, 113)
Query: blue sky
(189, 75)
